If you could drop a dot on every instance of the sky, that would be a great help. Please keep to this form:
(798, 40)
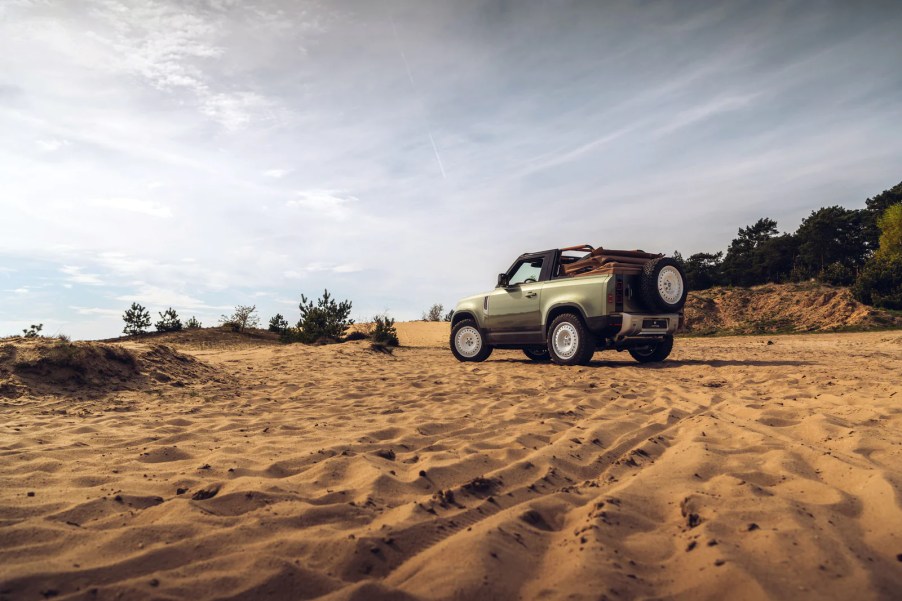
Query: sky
(211, 153)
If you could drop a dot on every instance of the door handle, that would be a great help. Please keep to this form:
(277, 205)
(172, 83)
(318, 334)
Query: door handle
(530, 295)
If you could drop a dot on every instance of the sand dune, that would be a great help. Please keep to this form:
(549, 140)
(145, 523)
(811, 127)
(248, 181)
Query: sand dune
(739, 469)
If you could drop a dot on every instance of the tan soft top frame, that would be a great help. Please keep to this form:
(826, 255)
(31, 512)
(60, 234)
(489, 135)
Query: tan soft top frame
(604, 260)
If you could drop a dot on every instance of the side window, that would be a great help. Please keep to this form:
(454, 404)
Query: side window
(527, 271)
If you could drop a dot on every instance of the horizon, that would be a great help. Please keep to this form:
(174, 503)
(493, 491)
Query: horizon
(222, 153)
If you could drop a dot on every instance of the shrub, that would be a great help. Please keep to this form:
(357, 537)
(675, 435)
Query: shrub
(384, 333)
(837, 274)
(434, 313)
(33, 331)
(356, 335)
(193, 324)
(278, 323)
(241, 319)
(325, 319)
(448, 315)
(169, 321)
(137, 320)
(880, 282)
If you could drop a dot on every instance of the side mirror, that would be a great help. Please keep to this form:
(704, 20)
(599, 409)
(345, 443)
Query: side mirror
(502, 280)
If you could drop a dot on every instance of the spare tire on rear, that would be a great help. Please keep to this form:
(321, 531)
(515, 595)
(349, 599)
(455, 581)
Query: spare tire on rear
(663, 285)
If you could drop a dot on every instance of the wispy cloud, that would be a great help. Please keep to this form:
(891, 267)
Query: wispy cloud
(288, 147)
(332, 204)
(96, 311)
(52, 145)
(146, 207)
(75, 275)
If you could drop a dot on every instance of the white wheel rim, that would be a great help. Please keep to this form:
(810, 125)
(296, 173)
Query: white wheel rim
(670, 285)
(565, 340)
(468, 341)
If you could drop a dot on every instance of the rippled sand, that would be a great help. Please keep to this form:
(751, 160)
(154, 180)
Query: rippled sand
(738, 469)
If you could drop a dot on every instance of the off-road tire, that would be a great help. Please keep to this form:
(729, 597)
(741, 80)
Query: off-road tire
(569, 340)
(654, 353)
(537, 353)
(662, 285)
(473, 346)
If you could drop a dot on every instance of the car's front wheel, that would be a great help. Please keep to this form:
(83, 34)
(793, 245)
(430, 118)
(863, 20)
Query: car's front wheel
(654, 352)
(569, 341)
(468, 343)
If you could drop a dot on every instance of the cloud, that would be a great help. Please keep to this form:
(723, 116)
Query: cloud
(296, 154)
(74, 274)
(705, 111)
(21, 290)
(151, 295)
(332, 204)
(52, 145)
(146, 207)
(96, 311)
(322, 268)
(178, 48)
(235, 110)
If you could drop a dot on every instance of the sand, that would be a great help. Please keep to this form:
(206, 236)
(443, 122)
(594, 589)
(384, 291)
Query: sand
(743, 468)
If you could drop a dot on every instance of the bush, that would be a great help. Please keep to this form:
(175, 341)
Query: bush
(434, 313)
(384, 333)
(356, 335)
(837, 274)
(33, 331)
(880, 282)
(277, 323)
(193, 324)
(448, 315)
(137, 320)
(169, 321)
(241, 319)
(326, 319)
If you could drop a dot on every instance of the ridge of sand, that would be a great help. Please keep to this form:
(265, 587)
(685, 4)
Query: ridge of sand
(742, 468)
(781, 308)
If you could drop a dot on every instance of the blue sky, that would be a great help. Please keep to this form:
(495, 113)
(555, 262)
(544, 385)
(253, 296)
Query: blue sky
(211, 153)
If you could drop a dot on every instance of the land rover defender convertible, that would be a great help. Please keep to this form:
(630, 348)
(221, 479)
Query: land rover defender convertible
(563, 305)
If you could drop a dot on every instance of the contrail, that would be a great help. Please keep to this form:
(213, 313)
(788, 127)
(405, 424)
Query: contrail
(437, 157)
(413, 86)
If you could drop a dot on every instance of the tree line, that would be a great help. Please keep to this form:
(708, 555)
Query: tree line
(861, 248)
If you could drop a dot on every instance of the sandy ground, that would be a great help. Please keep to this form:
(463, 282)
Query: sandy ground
(738, 469)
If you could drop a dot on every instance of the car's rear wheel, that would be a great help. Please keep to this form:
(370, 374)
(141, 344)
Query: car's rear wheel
(654, 352)
(537, 353)
(468, 343)
(569, 341)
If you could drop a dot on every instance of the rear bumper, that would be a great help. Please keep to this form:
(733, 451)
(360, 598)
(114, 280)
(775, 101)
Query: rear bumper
(647, 325)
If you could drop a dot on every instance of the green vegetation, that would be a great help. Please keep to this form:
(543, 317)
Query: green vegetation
(327, 320)
(169, 321)
(278, 324)
(137, 320)
(833, 245)
(880, 282)
(384, 333)
(243, 318)
(193, 324)
(33, 331)
(437, 313)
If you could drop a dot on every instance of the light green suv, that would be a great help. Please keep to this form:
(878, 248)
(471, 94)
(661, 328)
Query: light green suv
(564, 304)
